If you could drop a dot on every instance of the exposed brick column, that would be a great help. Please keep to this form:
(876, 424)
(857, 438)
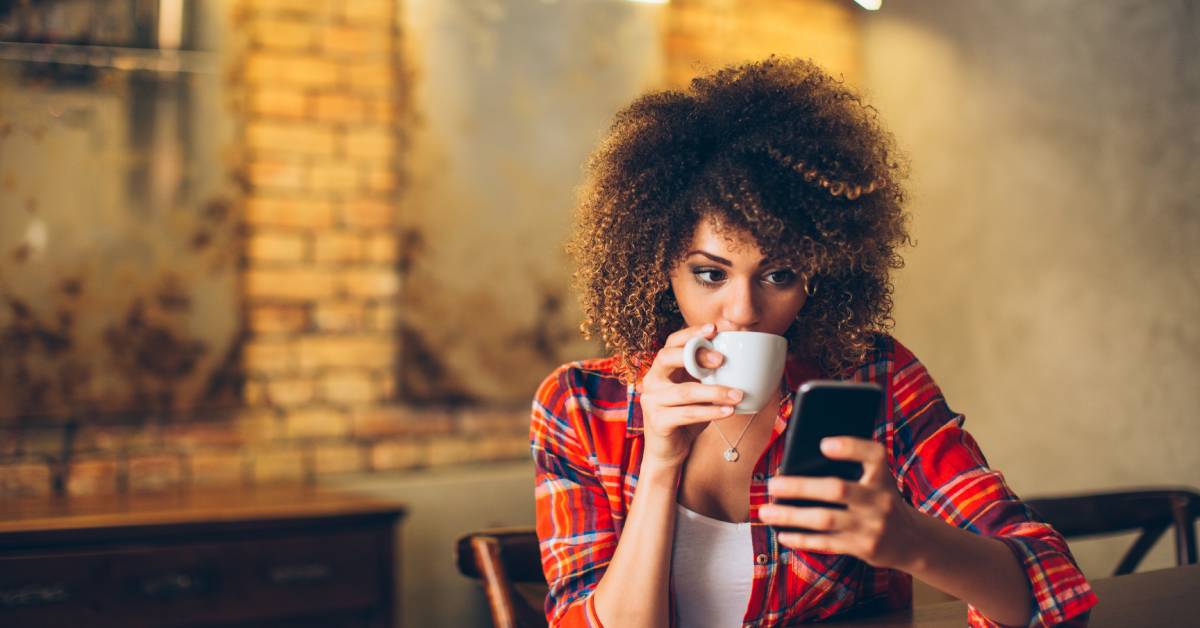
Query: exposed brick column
(320, 283)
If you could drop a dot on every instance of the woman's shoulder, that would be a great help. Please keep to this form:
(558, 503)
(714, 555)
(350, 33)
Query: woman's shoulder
(596, 379)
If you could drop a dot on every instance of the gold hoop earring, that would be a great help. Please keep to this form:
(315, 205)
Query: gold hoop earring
(810, 287)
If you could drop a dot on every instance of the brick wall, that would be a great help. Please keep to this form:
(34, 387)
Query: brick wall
(318, 89)
(707, 34)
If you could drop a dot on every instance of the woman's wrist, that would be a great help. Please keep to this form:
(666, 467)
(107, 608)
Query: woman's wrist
(659, 474)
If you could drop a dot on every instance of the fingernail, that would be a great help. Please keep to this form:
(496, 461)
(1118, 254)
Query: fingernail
(726, 409)
(765, 511)
(829, 446)
(709, 327)
(735, 395)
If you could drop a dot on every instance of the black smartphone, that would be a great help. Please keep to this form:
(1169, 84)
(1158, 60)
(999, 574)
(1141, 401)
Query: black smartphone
(821, 409)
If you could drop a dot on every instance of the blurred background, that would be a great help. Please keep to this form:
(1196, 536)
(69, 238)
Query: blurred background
(246, 242)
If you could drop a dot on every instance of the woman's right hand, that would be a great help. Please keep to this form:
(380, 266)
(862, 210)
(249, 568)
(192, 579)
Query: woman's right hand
(675, 407)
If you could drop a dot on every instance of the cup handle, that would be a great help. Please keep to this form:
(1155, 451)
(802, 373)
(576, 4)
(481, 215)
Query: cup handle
(689, 357)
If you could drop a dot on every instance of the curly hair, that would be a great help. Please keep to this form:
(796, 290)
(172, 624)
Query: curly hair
(776, 149)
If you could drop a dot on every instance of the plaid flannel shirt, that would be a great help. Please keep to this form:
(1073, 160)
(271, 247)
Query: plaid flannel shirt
(587, 445)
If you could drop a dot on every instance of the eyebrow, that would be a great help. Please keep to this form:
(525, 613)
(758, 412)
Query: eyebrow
(719, 260)
(724, 262)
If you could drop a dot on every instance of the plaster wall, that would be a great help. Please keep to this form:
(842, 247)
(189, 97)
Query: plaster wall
(1056, 208)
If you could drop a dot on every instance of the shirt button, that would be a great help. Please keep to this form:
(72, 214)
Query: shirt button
(758, 477)
(761, 559)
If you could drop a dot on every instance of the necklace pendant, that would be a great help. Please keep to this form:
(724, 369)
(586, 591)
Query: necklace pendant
(731, 454)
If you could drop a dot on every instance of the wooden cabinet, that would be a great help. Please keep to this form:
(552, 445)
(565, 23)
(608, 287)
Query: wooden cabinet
(275, 556)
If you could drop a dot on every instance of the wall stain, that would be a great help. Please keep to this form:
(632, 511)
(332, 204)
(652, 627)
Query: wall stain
(423, 379)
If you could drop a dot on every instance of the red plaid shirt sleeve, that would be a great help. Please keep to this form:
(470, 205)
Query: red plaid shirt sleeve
(576, 530)
(942, 472)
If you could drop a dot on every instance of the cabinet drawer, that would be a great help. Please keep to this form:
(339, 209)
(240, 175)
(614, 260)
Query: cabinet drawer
(197, 584)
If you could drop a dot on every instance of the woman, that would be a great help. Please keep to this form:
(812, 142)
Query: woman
(765, 198)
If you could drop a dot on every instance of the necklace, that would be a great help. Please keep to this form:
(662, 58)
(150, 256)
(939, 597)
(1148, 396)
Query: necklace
(731, 454)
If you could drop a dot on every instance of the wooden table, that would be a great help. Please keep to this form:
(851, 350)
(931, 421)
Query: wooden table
(1167, 597)
(271, 556)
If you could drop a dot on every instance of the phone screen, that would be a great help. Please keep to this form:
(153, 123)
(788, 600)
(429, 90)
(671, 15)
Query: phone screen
(823, 409)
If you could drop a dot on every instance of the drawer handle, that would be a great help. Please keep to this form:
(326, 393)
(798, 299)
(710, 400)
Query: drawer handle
(175, 583)
(34, 596)
(303, 573)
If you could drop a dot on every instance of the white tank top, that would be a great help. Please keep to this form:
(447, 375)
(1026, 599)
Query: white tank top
(712, 570)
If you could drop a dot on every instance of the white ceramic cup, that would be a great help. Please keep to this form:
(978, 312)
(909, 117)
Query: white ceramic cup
(753, 364)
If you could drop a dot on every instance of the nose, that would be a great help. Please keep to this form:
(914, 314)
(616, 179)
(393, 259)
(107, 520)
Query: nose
(741, 309)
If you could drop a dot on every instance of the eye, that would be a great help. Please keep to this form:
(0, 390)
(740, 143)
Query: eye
(708, 275)
(783, 277)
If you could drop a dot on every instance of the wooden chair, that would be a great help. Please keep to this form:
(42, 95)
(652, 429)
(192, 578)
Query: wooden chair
(1151, 511)
(509, 564)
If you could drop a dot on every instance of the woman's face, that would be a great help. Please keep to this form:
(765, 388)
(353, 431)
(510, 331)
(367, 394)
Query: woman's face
(725, 279)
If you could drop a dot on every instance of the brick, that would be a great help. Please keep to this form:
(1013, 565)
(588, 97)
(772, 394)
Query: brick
(381, 178)
(337, 107)
(334, 176)
(398, 454)
(370, 143)
(258, 425)
(382, 317)
(382, 110)
(154, 473)
(368, 213)
(94, 439)
(299, 137)
(276, 247)
(340, 316)
(276, 68)
(218, 468)
(349, 387)
(93, 477)
(296, 8)
(277, 175)
(298, 284)
(283, 35)
(370, 423)
(192, 436)
(316, 423)
(382, 248)
(277, 465)
(370, 282)
(335, 248)
(274, 319)
(453, 450)
(350, 40)
(269, 356)
(278, 102)
(290, 392)
(493, 421)
(504, 447)
(331, 459)
(294, 213)
(370, 77)
(372, 12)
(365, 351)
(25, 479)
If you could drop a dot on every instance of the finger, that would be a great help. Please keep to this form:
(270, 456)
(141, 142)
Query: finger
(870, 453)
(693, 393)
(819, 543)
(689, 415)
(834, 490)
(680, 338)
(812, 518)
(850, 448)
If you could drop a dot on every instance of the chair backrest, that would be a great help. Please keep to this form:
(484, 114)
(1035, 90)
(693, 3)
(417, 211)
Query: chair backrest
(509, 564)
(1152, 511)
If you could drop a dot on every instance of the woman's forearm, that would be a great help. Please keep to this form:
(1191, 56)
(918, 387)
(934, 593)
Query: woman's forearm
(978, 570)
(634, 590)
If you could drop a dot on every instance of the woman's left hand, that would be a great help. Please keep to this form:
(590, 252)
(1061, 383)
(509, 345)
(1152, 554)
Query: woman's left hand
(877, 526)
